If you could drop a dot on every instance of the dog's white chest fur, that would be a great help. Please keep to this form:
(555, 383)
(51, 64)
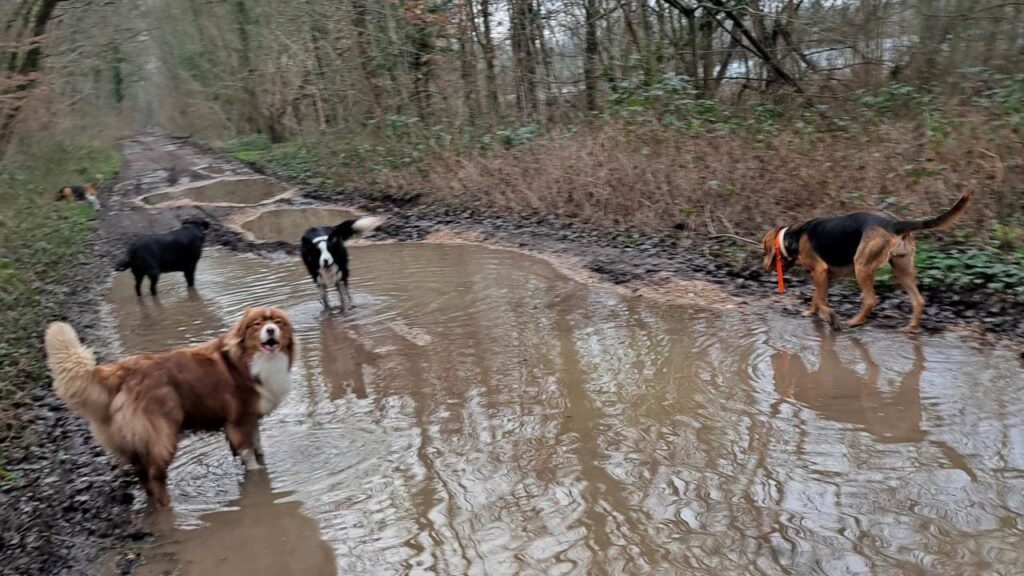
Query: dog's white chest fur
(328, 276)
(272, 379)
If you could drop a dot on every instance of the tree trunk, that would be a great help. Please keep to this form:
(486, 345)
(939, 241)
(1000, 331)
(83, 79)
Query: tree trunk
(590, 57)
(27, 69)
(364, 53)
(252, 115)
(467, 64)
(524, 58)
(487, 46)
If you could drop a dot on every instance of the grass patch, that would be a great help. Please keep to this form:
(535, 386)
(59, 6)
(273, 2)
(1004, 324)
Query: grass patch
(292, 159)
(41, 240)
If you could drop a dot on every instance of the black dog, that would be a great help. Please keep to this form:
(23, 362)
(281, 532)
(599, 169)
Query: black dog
(325, 256)
(174, 251)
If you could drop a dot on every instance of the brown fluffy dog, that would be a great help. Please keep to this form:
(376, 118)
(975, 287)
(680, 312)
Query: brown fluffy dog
(855, 244)
(138, 406)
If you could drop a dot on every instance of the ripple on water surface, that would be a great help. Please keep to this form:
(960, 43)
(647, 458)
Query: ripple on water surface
(478, 412)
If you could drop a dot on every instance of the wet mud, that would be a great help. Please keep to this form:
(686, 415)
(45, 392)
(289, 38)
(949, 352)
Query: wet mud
(479, 411)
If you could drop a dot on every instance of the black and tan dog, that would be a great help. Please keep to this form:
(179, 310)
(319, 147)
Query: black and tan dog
(85, 193)
(855, 244)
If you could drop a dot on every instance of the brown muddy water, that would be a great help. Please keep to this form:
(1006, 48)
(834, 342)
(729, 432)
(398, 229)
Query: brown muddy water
(288, 224)
(227, 191)
(479, 412)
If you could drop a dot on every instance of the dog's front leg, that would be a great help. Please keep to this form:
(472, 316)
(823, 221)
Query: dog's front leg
(341, 295)
(257, 445)
(323, 296)
(240, 438)
(348, 295)
(820, 299)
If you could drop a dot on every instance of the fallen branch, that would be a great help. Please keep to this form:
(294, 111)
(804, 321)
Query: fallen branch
(734, 237)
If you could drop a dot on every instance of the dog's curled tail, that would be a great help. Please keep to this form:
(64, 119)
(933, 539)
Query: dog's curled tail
(358, 227)
(941, 221)
(74, 373)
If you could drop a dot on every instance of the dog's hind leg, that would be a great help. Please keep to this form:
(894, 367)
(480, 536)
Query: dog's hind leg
(868, 300)
(872, 252)
(905, 274)
(139, 276)
(157, 460)
(141, 473)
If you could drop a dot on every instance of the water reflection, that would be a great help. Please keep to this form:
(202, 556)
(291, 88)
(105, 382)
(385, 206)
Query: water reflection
(259, 533)
(843, 393)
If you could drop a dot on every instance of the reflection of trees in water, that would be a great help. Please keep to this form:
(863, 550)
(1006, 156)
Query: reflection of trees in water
(174, 318)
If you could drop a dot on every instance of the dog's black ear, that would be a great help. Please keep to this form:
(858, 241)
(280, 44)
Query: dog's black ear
(206, 225)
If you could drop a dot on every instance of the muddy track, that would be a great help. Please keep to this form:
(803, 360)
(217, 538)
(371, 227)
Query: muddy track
(75, 502)
(647, 264)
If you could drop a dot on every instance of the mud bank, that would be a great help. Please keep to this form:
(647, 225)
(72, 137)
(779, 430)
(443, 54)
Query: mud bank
(68, 505)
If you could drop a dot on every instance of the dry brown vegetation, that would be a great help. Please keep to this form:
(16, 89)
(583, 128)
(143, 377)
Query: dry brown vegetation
(652, 180)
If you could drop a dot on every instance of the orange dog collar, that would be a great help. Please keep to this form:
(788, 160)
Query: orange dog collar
(780, 253)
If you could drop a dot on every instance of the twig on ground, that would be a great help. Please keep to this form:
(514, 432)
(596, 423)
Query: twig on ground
(734, 237)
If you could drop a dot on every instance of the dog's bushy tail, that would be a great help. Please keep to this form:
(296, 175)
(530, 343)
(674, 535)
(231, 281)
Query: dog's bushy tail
(358, 227)
(941, 221)
(73, 367)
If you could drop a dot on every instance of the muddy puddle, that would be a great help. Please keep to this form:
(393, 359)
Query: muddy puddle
(478, 412)
(288, 224)
(227, 191)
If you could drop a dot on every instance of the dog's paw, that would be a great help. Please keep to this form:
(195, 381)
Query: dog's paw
(250, 460)
(833, 321)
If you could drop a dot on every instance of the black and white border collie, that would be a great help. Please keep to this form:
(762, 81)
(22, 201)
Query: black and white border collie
(325, 256)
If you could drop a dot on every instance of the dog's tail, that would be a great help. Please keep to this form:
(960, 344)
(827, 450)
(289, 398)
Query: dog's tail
(74, 373)
(358, 227)
(123, 264)
(940, 221)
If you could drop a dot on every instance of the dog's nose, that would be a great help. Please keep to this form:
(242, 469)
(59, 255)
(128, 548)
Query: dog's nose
(271, 330)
